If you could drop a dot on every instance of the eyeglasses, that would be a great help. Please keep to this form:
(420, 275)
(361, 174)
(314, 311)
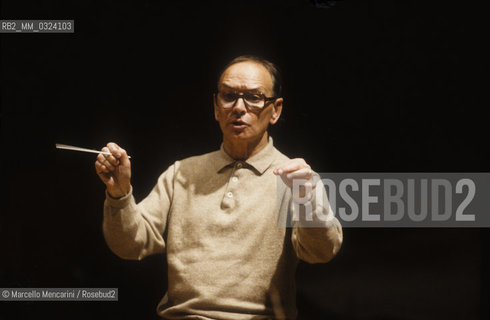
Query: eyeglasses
(252, 100)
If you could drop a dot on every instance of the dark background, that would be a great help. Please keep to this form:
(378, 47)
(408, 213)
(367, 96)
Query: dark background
(375, 86)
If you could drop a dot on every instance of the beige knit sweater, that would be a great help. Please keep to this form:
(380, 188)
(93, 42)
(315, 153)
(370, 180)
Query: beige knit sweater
(216, 219)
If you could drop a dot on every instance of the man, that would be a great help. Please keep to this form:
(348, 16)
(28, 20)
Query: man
(216, 215)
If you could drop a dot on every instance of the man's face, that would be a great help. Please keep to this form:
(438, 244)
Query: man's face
(239, 122)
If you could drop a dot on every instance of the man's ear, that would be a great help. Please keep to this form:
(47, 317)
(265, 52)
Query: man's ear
(276, 111)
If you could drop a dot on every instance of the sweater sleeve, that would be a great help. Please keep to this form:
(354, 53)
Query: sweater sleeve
(134, 231)
(317, 233)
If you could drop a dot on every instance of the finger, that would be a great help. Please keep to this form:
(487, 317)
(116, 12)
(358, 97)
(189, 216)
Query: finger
(291, 166)
(120, 154)
(110, 157)
(304, 173)
(100, 172)
(124, 159)
(310, 185)
(101, 158)
(102, 168)
(114, 149)
(108, 165)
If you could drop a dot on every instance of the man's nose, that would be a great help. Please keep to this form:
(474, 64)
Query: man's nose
(240, 105)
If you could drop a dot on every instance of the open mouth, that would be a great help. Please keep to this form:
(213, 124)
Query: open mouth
(239, 123)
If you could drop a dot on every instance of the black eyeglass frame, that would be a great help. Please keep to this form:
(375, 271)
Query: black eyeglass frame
(267, 100)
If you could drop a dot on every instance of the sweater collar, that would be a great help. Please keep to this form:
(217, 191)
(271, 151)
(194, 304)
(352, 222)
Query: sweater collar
(260, 161)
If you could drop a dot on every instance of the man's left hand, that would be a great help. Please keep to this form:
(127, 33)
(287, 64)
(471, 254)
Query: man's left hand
(295, 169)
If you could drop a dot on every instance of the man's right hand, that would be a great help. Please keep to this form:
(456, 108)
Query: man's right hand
(114, 170)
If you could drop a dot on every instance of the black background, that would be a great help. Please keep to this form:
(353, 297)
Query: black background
(374, 86)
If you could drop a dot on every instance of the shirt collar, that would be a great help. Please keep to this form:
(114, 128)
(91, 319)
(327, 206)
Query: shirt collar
(260, 161)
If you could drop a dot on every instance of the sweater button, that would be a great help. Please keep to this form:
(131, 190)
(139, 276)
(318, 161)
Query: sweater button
(229, 195)
(234, 179)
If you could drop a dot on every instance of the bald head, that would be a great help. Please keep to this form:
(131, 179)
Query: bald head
(272, 70)
(247, 76)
